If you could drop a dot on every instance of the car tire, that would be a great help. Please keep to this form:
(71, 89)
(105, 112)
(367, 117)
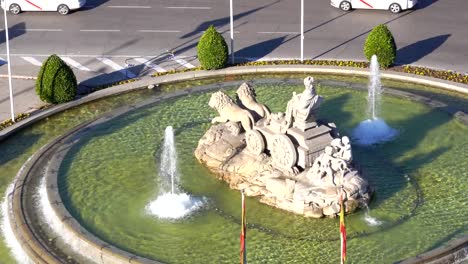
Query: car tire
(63, 10)
(395, 8)
(15, 9)
(345, 6)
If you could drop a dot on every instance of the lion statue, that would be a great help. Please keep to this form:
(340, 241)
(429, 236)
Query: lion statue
(230, 111)
(246, 95)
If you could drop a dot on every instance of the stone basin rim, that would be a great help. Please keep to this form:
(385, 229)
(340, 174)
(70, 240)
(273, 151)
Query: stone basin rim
(236, 70)
(37, 251)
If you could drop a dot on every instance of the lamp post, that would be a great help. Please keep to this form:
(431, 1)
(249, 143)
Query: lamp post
(8, 62)
(232, 31)
(302, 30)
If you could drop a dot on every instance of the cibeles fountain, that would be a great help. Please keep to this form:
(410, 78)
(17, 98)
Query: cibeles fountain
(292, 160)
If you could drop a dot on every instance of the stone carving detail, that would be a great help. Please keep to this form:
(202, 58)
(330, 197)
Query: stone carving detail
(283, 153)
(247, 97)
(229, 111)
(255, 142)
(291, 160)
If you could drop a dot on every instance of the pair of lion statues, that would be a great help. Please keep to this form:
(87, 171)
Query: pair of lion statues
(243, 112)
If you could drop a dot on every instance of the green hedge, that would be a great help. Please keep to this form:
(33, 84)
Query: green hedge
(212, 50)
(381, 43)
(56, 82)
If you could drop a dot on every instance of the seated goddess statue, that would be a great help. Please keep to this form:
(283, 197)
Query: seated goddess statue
(301, 106)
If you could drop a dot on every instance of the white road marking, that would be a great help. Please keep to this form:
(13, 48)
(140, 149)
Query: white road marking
(100, 30)
(277, 32)
(150, 65)
(129, 6)
(3, 61)
(188, 7)
(40, 29)
(75, 64)
(184, 63)
(158, 31)
(116, 67)
(32, 60)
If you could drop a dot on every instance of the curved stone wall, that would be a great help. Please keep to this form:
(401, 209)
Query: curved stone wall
(96, 249)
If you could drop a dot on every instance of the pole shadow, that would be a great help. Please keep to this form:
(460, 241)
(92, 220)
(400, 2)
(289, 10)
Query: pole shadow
(13, 32)
(225, 20)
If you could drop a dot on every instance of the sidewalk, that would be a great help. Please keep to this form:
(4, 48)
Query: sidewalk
(24, 96)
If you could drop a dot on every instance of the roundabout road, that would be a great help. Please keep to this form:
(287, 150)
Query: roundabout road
(433, 35)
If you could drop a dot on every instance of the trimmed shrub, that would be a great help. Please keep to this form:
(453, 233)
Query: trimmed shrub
(56, 82)
(381, 43)
(212, 50)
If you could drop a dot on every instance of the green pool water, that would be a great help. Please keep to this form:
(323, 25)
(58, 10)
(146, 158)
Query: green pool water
(108, 178)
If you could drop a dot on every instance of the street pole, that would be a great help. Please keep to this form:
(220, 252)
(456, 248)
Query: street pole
(232, 31)
(302, 30)
(8, 63)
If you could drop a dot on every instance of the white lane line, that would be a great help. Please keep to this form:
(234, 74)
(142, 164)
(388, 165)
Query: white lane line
(116, 67)
(129, 6)
(158, 31)
(3, 61)
(100, 30)
(184, 63)
(32, 60)
(188, 7)
(40, 29)
(150, 65)
(277, 32)
(75, 64)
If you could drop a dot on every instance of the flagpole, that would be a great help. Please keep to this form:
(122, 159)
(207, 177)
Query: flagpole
(232, 30)
(342, 229)
(243, 253)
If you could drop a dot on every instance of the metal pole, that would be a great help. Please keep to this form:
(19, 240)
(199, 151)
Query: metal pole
(232, 31)
(302, 30)
(9, 63)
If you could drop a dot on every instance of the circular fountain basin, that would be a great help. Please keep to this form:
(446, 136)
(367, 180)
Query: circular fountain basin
(109, 175)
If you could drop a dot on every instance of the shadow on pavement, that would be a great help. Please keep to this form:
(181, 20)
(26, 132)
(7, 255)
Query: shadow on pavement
(414, 52)
(425, 3)
(225, 20)
(92, 4)
(360, 35)
(261, 49)
(13, 32)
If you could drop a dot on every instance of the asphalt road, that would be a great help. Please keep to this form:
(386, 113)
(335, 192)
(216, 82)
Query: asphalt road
(100, 40)
(434, 34)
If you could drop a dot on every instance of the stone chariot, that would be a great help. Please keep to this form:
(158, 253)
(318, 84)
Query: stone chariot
(292, 160)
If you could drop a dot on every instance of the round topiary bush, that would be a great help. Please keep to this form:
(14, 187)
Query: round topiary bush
(212, 50)
(381, 43)
(56, 82)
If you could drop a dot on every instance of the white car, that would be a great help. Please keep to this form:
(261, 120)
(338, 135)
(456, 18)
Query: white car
(395, 6)
(62, 6)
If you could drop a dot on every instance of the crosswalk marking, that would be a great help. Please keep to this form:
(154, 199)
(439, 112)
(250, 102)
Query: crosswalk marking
(117, 67)
(33, 61)
(75, 64)
(184, 63)
(150, 65)
(2, 61)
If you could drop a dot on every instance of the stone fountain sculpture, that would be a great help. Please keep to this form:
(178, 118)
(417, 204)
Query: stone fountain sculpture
(291, 160)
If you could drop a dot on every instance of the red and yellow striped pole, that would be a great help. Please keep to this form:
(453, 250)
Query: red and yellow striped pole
(243, 253)
(342, 230)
